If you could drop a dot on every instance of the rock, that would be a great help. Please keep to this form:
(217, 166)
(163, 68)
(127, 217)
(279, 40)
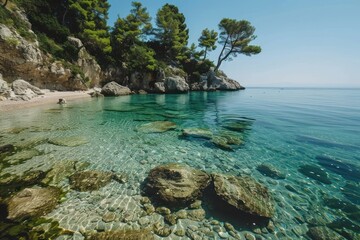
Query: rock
(8, 148)
(96, 94)
(4, 88)
(351, 191)
(222, 82)
(175, 84)
(22, 156)
(13, 183)
(315, 173)
(161, 231)
(61, 101)
(21, 87)
(181, 214)
(157, 127)
(163, 210)
(197, 133)
(270, 171)
(180, 232)
(170, 219)
(115, 89)
(32, 202)
(141, 91)
(60, 171)
(75, 42)
(229, 227)
(68, 141)
(149, 208)
(323, 233)
(159, 87)
(177, 184)
(196, 214)
(245, 194)
(120, 177)
(195, 205)
(109, 217)
(352, 211)
(90, 180)
(221, 143)
(143, 234)
(199, 86)
(346, 170)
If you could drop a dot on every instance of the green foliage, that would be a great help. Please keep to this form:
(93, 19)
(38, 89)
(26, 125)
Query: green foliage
(208, 40)
(171, 33)
(141, 58)
(9, 19)
(235, 37)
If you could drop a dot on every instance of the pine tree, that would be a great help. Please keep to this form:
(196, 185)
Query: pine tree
(208, 40)
(172, 32)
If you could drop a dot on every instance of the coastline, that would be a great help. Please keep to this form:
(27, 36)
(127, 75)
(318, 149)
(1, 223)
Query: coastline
(47, 98)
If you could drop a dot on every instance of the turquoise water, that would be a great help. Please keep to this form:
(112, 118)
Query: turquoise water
(288, 128)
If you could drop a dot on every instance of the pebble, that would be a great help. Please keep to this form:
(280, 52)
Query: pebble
(163, 210)
(100, 227)
(180, 232)
(195, 205)
(223, 235)
(182, 214)
(229, 227)
(249, 236)
(144, 221)
(109, 217)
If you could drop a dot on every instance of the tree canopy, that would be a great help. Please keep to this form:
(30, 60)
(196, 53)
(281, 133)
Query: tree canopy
(208, 40)
(235, 37)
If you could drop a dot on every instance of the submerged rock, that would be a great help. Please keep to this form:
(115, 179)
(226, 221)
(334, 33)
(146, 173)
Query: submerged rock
(8, 148)
(352, 211)
(32, 202)
(22, 156)
(143, 234)
(115, 89)
(69, 141)
(352, 192)
(346, 170)
(90, 180)
(60, 171)
(221, 143)
(197, 133)
(315, 173)
(323, 233)
(177, 184)
(157, 127)
(270, 171)
(238, 125)
(245, 194)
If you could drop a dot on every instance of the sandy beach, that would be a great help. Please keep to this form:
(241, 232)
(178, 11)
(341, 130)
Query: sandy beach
(47, 98)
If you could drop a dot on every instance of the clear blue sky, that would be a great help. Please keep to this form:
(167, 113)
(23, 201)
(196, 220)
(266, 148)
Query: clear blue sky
(305, 43)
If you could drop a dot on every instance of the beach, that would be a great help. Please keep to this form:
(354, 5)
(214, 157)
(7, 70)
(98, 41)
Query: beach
(47, 98)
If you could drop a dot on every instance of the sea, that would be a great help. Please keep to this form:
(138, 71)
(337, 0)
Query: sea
(311, 137)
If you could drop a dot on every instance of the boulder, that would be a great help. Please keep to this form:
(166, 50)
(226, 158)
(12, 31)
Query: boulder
(175, 84)
(90, 180)
(21, 87)
(199, 86)
(75, 42)
(222, 82)
(177, 184)
(115, 89)
(32, 202)
(245, 194)
(4, 88)
(157, 127)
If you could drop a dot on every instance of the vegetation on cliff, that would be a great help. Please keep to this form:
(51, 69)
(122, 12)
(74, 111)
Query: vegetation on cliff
(133, 44)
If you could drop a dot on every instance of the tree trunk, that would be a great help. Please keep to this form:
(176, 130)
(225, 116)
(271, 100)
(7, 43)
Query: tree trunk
(205, 54)
(4, 5)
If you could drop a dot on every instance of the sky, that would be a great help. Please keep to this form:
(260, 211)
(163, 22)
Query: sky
(307, 43)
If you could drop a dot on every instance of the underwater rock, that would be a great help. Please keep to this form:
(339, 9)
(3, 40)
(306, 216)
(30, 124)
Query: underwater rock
(177, 184)
(22, 156)
(8, 148)
(245, 194)
(31, 142)
(14, 182)
(323, 233)
(352, 192)
(89, 180)
(315, 173)
(221, 143)
(121, 177)
(143, 234)
(351, 210)
(324, 143)
(238, 125)
(196, 214)
(269, 170)
(346, 170)
(32, 202)
(69, 141)
(60, 171)
(197, 133)
(160, 230)
(157, 127)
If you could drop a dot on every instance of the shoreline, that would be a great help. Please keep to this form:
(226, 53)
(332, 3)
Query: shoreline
(47, 98)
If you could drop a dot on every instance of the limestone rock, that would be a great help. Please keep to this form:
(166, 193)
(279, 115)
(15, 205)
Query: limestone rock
(60, 171)
(177, 184)
(222, 82)
(5, 90)
(245, 194)
(90, 180)
(75, 42)
(175, 84)
(159, 87)
(157, 127)
(21, 87)
(270, 171)
(115, 89)
(197, 133)
(32, 202)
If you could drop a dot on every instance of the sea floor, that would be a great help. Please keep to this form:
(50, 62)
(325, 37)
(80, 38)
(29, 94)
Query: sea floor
(314, 143)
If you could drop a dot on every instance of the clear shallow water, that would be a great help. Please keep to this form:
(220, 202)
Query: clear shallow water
(288, 128)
